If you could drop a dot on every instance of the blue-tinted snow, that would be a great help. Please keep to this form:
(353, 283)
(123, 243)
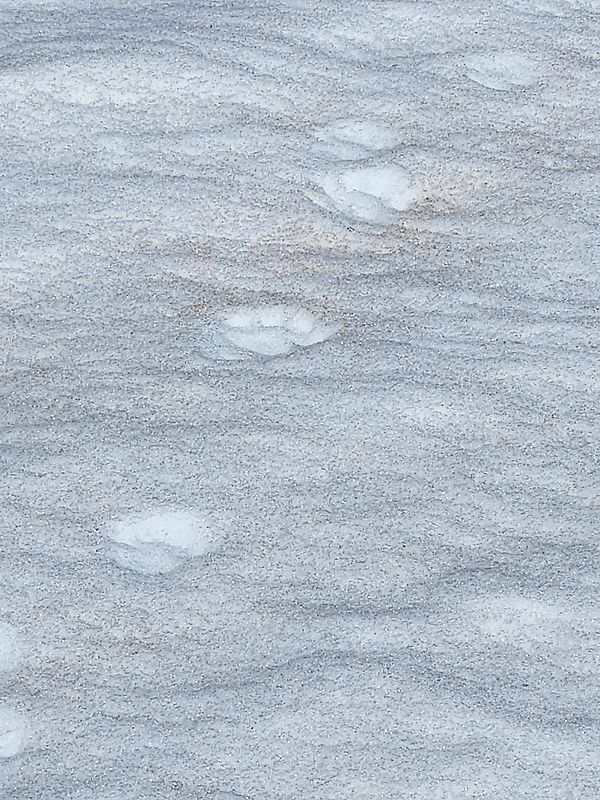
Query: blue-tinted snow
(319, 282)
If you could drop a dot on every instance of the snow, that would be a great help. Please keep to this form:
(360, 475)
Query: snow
(261, 331)
(370, 194)
(299, 392)
(502, 71)
(353, 139)
(10, 648)
(13, 732)
(159, 542)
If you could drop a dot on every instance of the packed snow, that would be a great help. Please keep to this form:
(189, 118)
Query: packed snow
(159, 542)
(13, 731)
(261, 331)
(502, 71)
(353, 139)
(10, 648)
(370, 194)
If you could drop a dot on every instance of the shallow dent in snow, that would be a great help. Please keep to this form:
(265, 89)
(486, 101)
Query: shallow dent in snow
(10, 650)
(352, 139)
(502, 71)
(13, 732)
(261, 331)
(158, 542)
(371, 194)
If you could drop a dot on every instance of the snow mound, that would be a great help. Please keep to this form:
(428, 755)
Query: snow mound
(502, 71)
(371, 194)
(10, 651)
(158, 543)
(13, 731)
(261, 331)
(351, 139)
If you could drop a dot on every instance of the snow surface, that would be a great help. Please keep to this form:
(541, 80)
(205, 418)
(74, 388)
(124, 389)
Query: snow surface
(502, 70)
(13, 732)
(370, 194)
(159, 542)
(353, 139)
(320, 279)
(10, 648)
(261, 330)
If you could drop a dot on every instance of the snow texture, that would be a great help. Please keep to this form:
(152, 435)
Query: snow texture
(299, 400)
(502, 71)
(159, 542)
(13, 732)
(10, 648)
(353, 139)
(370, 194)
(261, 331)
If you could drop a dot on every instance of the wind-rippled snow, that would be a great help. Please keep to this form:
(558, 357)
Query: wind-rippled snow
(299, 401)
